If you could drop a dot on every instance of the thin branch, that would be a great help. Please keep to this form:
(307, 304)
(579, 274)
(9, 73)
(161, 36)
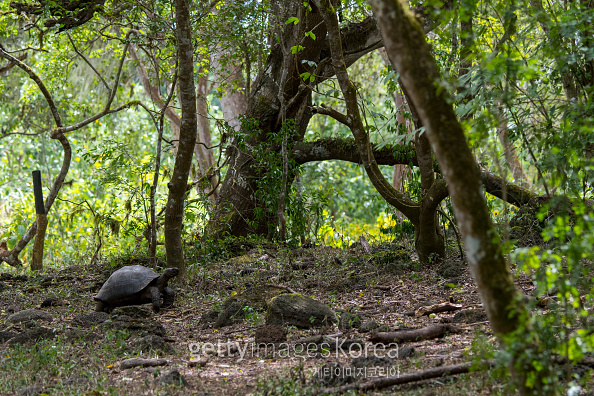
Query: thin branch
(88, 62)
(79, 204)
(458, 239)
(10, 65)
(40, 84)
(98, 116)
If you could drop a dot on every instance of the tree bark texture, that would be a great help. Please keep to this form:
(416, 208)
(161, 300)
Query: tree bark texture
(202, 149)
(174, 212)
(406, 46)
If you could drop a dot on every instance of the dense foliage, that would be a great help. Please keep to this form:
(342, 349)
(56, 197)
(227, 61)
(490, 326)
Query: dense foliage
(521, 74)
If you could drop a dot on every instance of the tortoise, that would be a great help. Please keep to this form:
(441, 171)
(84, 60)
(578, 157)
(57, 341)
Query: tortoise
(135, 285)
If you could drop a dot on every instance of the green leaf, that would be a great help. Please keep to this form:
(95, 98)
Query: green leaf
(311, 35)
(295, 21)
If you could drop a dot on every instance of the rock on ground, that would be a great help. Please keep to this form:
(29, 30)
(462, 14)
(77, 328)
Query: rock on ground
(30, 315)
(298, 310)
(173, 378)
(154, 343)
(90, 319)
(470, 316)
(35, 334)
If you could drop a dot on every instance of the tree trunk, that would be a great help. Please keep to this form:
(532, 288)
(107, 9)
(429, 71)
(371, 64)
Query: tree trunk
(406, 46)
(509, 153)
(400, 171)
(203, 150)
(174, 212)
(428, 243)
(237, 201)
(227, 75)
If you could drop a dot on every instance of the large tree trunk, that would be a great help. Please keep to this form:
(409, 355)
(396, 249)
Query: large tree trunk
(406, 46)
(174, 212)
(234, 213)
(202, 150)
(227, 75)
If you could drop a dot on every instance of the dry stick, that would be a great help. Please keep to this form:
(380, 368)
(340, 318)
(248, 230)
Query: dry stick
(426, 333)
(437, 308)
(386, 382)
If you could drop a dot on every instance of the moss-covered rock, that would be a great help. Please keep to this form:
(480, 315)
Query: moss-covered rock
(257, 297)
(298, 310)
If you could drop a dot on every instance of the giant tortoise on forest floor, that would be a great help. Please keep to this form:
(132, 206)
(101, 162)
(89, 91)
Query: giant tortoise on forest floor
(135, 285)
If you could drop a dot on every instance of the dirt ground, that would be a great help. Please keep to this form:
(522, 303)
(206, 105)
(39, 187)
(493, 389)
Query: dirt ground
(383, 288)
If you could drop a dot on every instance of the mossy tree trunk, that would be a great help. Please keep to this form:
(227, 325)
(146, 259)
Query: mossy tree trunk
(174, 211)
(406, 46)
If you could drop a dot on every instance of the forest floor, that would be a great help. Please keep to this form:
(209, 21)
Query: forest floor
(384, 287)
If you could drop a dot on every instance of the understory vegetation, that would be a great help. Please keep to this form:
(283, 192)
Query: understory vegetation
(309, 145)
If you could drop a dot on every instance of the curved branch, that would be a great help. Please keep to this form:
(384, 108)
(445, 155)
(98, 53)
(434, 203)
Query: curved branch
(514, 194)
(346, 150)
(58, 134)
(40, 84)
(329, 111)
(88, 62)
(10, 64)
(97, 116)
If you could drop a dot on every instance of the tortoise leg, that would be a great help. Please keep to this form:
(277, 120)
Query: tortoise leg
(156, 298)
(168, 297)
(101, 307)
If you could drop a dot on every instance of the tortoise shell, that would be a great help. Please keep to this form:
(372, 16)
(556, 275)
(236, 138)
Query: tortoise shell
(126, 282)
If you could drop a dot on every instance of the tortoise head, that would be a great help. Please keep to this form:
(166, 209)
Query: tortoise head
(170, 273)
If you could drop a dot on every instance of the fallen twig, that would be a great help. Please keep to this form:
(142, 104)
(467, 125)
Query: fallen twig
(426, 333)
(437, 308)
